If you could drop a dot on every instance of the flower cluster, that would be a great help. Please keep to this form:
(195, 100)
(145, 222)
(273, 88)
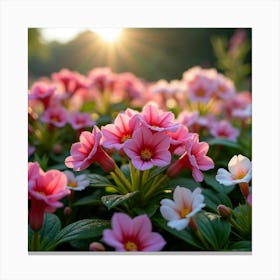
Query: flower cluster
(138, 165)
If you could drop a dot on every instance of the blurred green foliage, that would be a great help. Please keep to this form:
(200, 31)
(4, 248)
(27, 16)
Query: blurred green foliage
(150, 53)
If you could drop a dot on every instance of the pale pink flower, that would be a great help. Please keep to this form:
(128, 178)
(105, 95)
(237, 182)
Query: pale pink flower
(239, 103)
(135, 234)
(56, 116)
(44, 192)
(147, 149)
(156, 119)
(201, 90)
(240, 171)
(194, 159)
(185, 204)
(80, 120)
(100, 78)
(224, 87)
(88, 151)
(76, 183)
(116, 134)
(224, 129)
(188, 118)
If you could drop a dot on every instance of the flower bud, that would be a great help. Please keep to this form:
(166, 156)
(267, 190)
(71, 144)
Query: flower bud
(57, 149)
(67, 211)
(96, 246)
(224, 211)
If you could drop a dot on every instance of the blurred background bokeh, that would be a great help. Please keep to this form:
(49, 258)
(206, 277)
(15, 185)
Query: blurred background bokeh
(149, 53)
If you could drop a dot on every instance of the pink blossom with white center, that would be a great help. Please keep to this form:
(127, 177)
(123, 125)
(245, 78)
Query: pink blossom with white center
(178, 140)
(240, 171)
(224, 129)
(116, 134)
(194, 159)
(132, 234)
(184, 206)
(156, 119)
(57, 116)
(80, 120)
(42, 91)
(76, 183)
(147, 149)
(44, 191)
(87, 151)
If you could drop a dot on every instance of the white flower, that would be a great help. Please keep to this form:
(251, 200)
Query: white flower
(184, 206)
(77, 183)
(240, 171)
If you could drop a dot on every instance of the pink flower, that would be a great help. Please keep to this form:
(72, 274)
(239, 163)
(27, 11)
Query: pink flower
(56, 116)
(80, 120)
(147, 149)
(224, 129)
(224, 87)
(132, 234)
(71, 81)
(182, 208)
(201, 90)
(194, 159)
(33, 173)
(42, 91)
(116, 134)
(240, 171)
(44, 191)
(156, 119)
(76, 183)
(100, 78)
(178, 140)
(88, 151)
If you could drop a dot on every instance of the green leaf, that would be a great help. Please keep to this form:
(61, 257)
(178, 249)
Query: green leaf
(224, 142)
(186, 234)
(210, 179)
(112, 200)
(213, 199)
(83, 229)
(94, 199)
(96, 180)
(48, 232)
(244, 245)
(150, 210)
(184, 182)
(216, 231)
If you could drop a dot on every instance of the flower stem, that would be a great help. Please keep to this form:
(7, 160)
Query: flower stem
(123, 179)
(153, 188)
(35, 241)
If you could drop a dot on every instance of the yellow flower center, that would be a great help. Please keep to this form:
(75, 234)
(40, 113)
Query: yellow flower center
(200, 92)
(240, 174)
(55, 118)
(72, 184)
(184, 212)
(125, 137)
(131, 246)
(42, 193)
(146, 154)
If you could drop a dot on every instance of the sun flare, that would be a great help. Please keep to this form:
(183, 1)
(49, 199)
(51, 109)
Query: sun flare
(109, 35)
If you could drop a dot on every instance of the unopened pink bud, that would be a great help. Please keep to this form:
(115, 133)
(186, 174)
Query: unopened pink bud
(57, 149)
(224, 211)
(96, 246)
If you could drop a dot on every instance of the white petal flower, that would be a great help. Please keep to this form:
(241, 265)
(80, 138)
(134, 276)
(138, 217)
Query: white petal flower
(77, 183)
(185, 204)
(240, 171)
